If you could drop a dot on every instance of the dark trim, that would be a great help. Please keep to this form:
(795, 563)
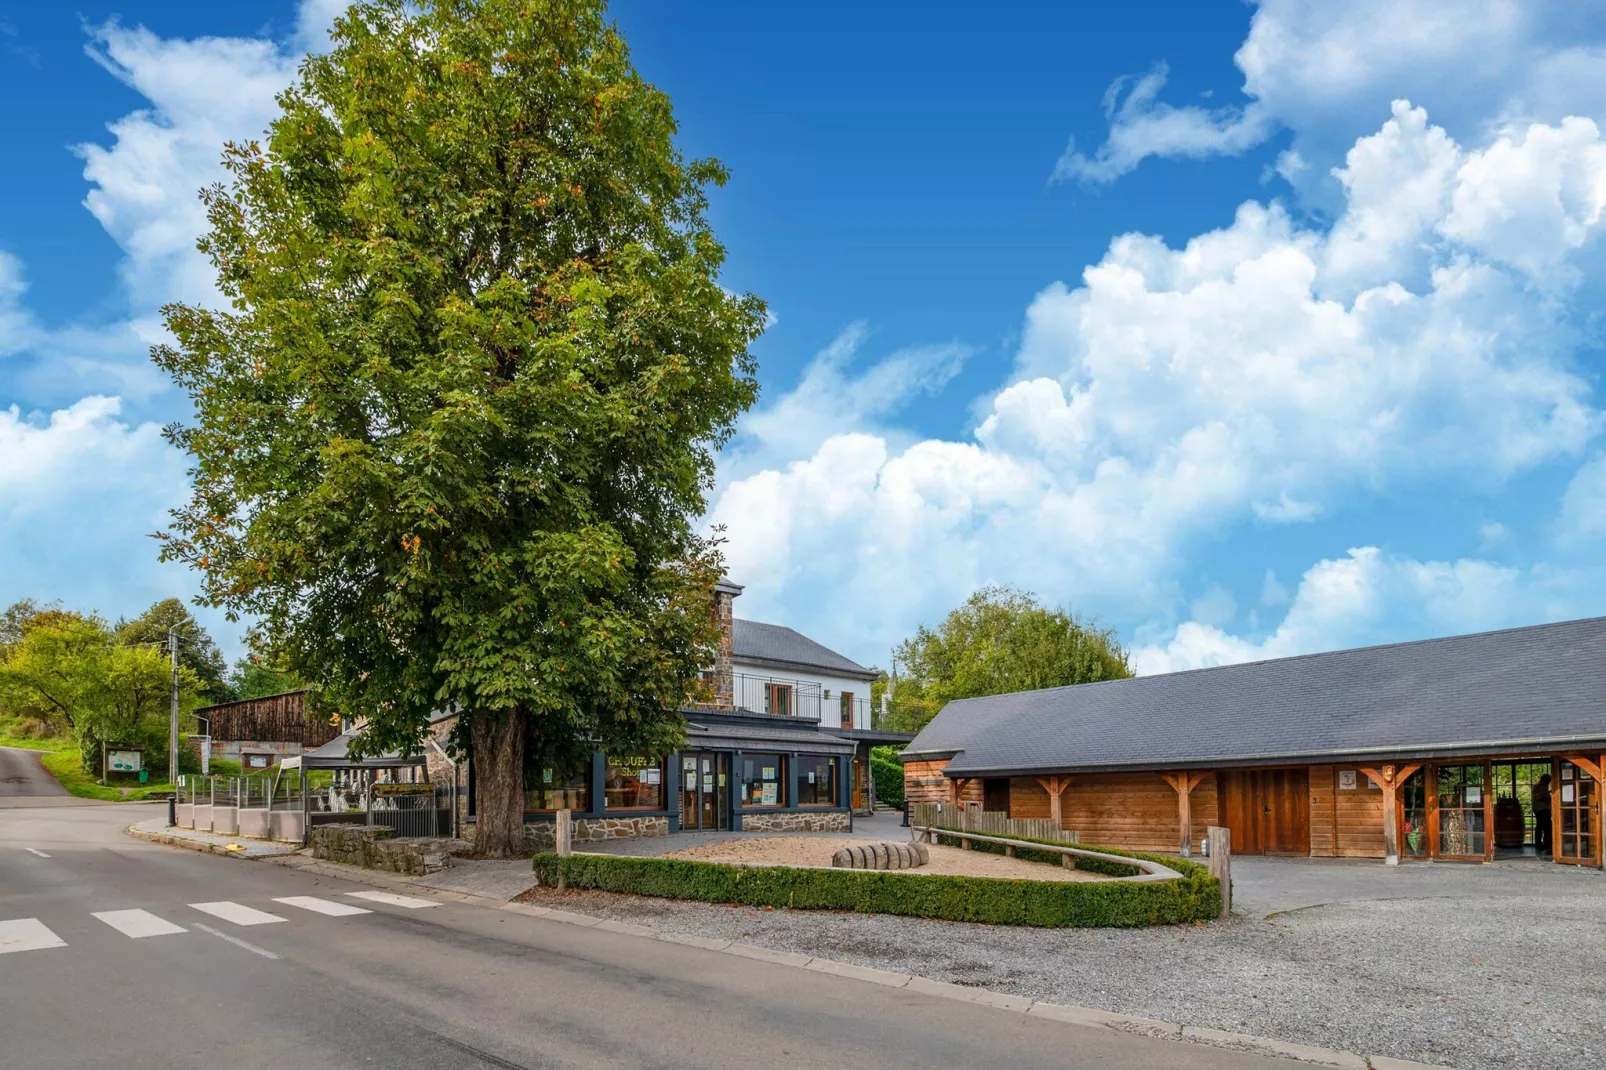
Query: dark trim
(873, 735)
(865, 675)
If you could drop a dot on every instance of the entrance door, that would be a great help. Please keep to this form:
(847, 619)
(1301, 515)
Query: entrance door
(1267, 810)
(1575, 796)
(704, 791)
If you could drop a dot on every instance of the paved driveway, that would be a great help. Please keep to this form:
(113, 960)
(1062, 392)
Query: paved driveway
(1467, 966)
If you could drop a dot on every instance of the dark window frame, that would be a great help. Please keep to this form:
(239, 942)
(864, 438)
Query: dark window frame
(808, 762)
(782, 771)
(663, 786)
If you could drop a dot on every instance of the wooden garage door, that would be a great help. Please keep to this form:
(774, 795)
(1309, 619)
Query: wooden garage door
(1268, 810)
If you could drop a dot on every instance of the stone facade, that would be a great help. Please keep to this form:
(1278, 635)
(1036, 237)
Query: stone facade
(798, 821)
(542, 836)
(379, 848)
(724, 680)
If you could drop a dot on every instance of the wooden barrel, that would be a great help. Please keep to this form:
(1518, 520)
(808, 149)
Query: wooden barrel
(1508, 826)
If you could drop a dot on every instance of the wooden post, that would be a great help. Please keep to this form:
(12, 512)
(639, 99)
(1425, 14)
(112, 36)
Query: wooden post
(1055, 786)
(1221, 864)
(565, 831)
(1389, 778)
(1184, 783)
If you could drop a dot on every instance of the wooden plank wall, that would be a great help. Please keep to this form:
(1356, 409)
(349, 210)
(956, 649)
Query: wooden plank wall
(1344, 823)
(274, 718)
(1137, 811)
(923, 782)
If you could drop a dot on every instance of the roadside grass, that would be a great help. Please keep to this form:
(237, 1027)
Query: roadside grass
(61, 760)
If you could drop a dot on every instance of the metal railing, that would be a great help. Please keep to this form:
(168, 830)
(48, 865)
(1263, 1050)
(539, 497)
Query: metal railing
(423, 814)
(776, 696)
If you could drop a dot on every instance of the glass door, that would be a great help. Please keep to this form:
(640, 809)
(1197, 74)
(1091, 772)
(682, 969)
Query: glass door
(1576, 797)
(1461, 819)
(704, 791)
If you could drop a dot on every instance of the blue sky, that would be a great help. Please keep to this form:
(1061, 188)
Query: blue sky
(1247, 329)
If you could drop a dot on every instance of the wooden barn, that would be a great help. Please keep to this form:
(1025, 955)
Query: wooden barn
(1469, 748)
(258, 732)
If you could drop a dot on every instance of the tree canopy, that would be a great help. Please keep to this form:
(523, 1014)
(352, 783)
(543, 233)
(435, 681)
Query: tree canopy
(196, 650)
(72, 671)
(1000, 640)
(454, 429)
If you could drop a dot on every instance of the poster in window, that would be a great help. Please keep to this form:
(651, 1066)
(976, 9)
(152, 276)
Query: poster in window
(1566, 772)
(708, 781)
(1346, 779)
(1566, 793)
(651, 775)
(811, 776)
(771, 795)
(1474, 795)
(769, 772)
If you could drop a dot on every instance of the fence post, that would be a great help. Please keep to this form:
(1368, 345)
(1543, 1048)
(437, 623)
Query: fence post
(1220, 841)
(563, 830)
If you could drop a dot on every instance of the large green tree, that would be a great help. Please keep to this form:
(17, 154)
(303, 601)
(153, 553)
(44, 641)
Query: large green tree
(452, 433)
(1000, 640)
(196, 650)
(73, 670)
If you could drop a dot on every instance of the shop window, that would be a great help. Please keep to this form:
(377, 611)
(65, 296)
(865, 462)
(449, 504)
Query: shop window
(560, 786)
(816, 781)
(763, 780)
(634, 783)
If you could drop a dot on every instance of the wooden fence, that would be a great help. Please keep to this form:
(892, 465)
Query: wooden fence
(972, 818)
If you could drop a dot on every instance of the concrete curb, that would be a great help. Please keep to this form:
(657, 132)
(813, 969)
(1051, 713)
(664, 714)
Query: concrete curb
(191, 844)
(1059, 1012)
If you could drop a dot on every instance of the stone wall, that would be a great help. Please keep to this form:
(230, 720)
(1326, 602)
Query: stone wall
(378, 848)
(542, 836)
(798, 821)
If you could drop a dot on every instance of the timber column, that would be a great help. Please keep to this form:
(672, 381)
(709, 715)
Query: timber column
(1389, 778)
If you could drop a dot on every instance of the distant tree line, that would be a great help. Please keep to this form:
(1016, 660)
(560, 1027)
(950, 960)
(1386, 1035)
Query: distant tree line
(70, 674)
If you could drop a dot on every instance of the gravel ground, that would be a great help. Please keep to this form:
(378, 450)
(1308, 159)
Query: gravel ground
(1468, 981)
(817, 850)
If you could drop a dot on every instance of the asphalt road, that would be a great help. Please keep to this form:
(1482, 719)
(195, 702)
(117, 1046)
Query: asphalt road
(22, 777)
(169, 984)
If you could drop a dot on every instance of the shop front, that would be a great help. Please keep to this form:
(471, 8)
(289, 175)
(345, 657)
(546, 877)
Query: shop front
(1534, 806)
(729, 777)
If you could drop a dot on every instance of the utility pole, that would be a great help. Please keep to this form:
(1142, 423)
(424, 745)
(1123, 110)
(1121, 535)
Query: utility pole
(172, 725)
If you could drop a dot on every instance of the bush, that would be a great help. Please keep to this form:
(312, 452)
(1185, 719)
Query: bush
(888, 776)
(1196, 896)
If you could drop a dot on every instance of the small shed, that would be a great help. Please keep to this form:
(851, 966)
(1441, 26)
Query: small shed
(260, 732)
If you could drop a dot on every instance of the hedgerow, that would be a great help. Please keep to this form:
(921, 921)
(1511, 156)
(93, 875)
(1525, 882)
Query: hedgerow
(1195, 896)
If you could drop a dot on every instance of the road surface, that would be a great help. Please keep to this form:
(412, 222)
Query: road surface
(23, 778)
(117, 952)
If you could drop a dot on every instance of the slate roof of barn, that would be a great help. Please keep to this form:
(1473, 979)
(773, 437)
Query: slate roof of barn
(1541, 688)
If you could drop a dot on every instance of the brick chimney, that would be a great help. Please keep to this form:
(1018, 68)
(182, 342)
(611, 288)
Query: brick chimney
(723, 682)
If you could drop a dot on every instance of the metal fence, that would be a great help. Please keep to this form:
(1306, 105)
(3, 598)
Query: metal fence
(422, 814)
(972, 818)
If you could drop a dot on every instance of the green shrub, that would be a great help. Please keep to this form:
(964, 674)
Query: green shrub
(1050, 904)
(888, 776)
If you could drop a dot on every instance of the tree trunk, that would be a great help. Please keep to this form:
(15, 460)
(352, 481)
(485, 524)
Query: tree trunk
(498, 739)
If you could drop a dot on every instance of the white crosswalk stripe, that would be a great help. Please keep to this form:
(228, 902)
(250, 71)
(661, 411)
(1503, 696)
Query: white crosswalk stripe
(392, 899)
(238, 913)
(138, 924)
(322, 906)
(27, 934)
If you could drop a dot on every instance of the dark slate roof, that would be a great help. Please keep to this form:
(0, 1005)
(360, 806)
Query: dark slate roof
(777, 645)
(1542, 687)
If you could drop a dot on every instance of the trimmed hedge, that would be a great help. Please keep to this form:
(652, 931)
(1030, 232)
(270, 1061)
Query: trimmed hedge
(1196, 896)
(888, 777)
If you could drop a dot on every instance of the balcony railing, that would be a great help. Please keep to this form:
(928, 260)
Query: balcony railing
(776, 696)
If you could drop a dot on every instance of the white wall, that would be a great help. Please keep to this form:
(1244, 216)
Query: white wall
(830, 707)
